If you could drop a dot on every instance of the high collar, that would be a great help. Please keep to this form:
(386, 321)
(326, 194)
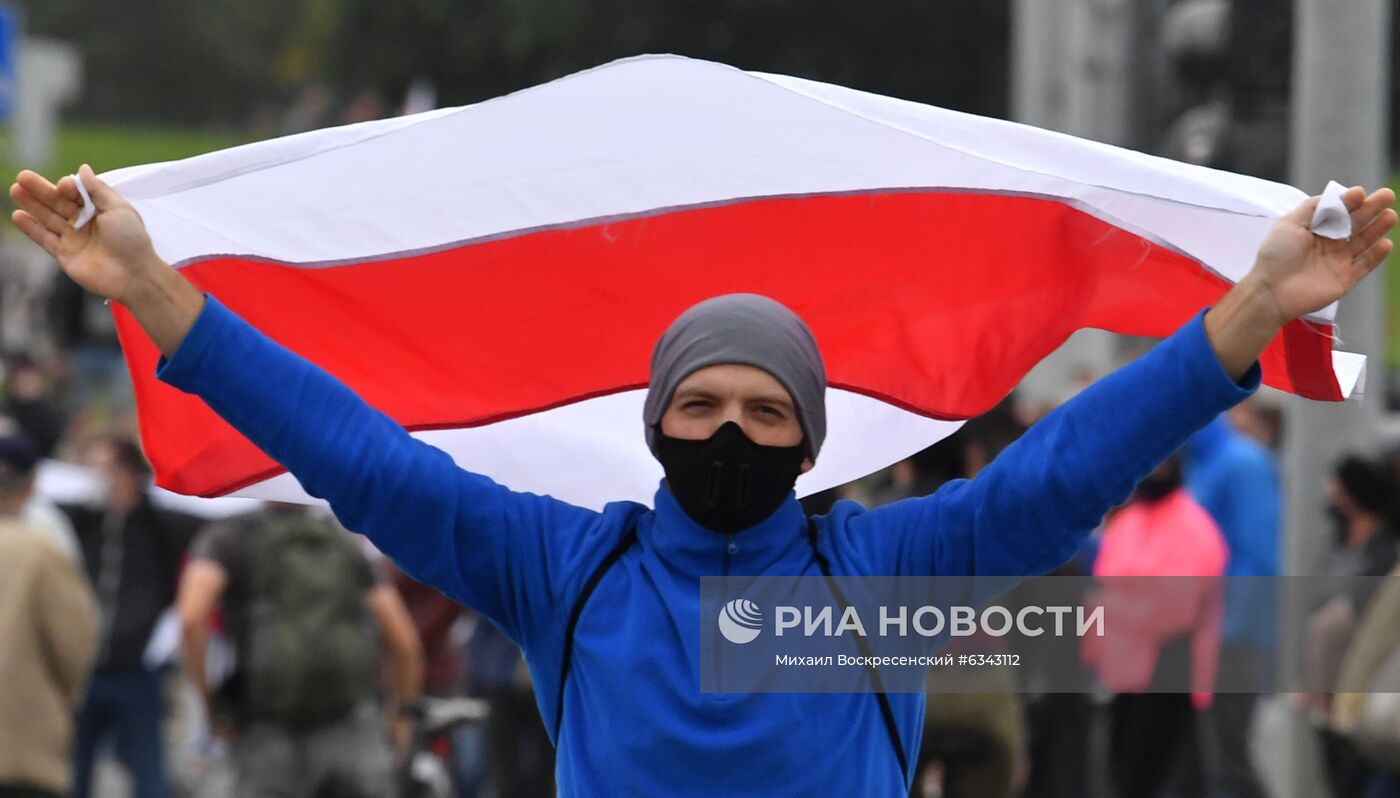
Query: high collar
(769, 546)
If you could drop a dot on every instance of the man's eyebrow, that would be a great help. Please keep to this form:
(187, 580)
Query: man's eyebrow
(773, 399)
(692, 391)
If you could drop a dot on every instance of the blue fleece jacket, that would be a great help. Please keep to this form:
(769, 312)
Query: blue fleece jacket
(1236, 480)
(634, 720)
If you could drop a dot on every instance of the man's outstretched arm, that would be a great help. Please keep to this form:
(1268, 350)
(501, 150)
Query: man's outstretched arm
(496, 550)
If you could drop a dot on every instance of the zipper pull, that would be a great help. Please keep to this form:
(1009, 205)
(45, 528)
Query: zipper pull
(732, 547)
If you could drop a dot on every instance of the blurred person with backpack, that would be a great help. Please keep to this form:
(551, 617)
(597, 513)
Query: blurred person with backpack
(48, 625)
(302, 605)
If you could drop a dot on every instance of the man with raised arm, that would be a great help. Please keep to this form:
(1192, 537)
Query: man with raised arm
(606, 604)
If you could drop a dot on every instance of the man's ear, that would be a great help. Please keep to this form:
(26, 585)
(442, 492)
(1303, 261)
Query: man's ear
(807, 464)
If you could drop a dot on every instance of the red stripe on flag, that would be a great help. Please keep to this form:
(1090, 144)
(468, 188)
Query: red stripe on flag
(936, 302)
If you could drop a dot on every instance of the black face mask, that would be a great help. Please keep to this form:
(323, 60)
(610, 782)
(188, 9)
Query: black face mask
(727, 482)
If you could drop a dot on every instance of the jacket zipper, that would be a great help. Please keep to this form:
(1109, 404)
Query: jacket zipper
(730, 549)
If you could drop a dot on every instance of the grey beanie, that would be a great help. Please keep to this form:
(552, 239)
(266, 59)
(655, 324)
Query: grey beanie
(750, 330)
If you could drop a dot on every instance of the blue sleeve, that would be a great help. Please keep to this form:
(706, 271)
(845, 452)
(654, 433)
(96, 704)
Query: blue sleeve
(507, 554)
(1030, 510)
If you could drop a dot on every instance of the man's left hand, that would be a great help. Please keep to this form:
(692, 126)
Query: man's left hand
(1297, 272)
(1304, 272)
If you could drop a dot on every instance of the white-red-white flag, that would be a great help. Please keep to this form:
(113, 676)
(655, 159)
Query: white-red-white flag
(493, 277)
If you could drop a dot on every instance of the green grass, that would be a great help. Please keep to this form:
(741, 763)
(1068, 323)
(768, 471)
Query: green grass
(112, 147)
(108, 147)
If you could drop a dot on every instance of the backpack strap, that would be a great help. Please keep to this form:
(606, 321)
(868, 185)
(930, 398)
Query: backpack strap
(588, 587)
(886, 711)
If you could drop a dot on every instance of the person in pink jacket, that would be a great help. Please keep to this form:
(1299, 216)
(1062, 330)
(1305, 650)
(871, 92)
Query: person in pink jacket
(1161, 561)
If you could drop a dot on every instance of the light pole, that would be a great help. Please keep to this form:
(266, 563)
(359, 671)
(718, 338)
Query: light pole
(1340, 68)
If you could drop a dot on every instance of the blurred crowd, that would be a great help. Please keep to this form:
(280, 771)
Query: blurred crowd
(157, 648)
(155, 651)
(1213, 510)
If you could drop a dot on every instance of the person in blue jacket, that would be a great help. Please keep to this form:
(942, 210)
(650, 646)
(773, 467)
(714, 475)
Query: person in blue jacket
(617, 676)
(1236, 480)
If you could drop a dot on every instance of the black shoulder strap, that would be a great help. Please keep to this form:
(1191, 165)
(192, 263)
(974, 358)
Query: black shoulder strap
(864, 647)
(886, 711)
(588, 587)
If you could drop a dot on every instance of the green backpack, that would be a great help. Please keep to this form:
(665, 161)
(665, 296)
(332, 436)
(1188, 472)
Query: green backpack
(312, 649)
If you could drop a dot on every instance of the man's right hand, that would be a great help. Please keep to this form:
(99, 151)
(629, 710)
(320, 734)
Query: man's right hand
(105, 255)
(111, 256)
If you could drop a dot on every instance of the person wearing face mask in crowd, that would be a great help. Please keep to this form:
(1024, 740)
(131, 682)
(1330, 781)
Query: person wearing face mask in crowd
(132, 552)
(1360, 502)
(1359, 506)
(605, 604)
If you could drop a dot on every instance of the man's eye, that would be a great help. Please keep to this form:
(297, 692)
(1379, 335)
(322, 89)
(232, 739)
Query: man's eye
(695, 404)
(770, 410)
